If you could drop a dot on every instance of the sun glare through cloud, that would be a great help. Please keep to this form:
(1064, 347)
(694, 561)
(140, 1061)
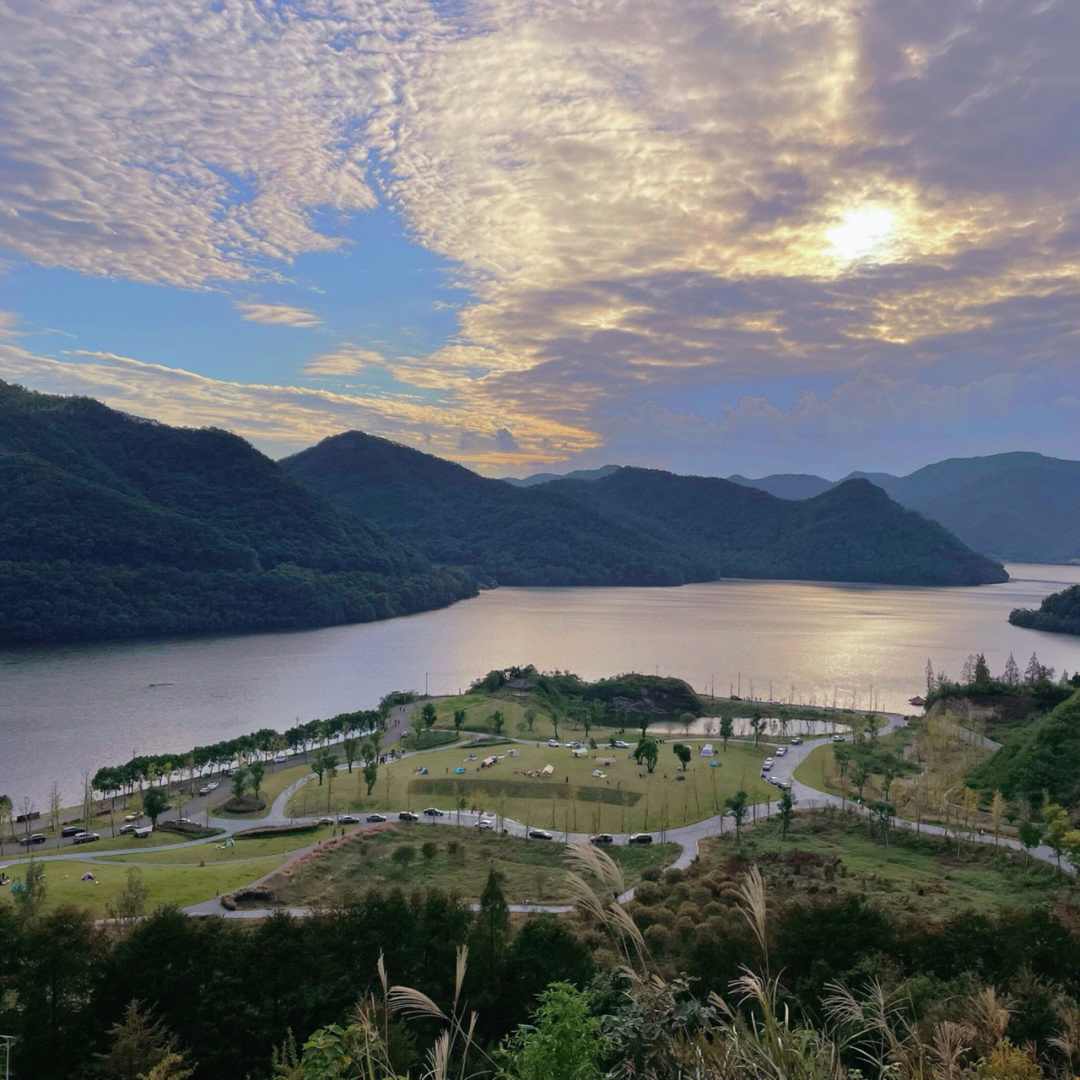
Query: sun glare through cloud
(864, 234)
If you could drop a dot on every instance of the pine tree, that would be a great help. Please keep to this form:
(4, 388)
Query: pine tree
(1011, 676)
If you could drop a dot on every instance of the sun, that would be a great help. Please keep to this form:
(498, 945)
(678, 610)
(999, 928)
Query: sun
(862, 234)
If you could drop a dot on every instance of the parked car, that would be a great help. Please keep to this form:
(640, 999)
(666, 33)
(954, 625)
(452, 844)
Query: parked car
(73, 830)
(619, 744)
(324, 820)
(407, 815)
(375, 819)
(574, 745)
(797, 741)
(349, 819)
(214, 785)
(781, 751)
(433, 811)
(553, 742)
(86, 838)
(640, 838)
(838, 738)
(32, 839)
(132, 816)
(130, 827)
(602, 838)
(486, 823)
(205, 789)
(539, 834)
(281, 759)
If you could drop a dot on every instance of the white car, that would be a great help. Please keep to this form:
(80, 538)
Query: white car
(620, 745)
(553, 742)
(781, 751)
(485, 823)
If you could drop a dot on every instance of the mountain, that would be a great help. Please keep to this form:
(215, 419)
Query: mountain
(577, 474)
(113, 526)
(633, 526)
(1059, 613)
(787, 485)
(1019, 507)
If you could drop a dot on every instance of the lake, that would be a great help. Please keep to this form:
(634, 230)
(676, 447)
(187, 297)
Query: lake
(70, 708)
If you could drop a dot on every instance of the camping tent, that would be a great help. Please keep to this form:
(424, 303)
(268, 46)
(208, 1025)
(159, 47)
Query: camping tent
(547, 770)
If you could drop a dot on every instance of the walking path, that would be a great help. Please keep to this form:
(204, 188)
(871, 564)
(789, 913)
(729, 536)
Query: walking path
(688, 837)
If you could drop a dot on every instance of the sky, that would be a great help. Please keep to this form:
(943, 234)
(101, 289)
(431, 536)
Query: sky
(745, 236)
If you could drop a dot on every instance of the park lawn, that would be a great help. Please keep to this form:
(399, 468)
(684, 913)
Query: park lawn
(457, 861)
(168, 885)
(274, 783)
(627, 799)
(915, 875)
(106, 843)
(817, 769)
(213, 851)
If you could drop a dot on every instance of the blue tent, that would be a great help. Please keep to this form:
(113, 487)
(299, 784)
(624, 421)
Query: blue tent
(460, 769)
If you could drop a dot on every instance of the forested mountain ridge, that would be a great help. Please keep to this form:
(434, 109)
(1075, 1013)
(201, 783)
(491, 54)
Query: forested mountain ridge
(1017, 506)
(113, 526)
(632, 526)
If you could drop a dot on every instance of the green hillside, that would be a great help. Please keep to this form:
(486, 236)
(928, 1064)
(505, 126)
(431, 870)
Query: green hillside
(1059, 613)
(112, 526)
(632, 526)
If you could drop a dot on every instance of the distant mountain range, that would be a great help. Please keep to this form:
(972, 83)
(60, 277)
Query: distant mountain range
(631, 526)
(1019, 507)
(111, 526)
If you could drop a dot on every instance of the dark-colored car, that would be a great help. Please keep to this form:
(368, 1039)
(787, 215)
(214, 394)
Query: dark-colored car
(348, 819)
(32, 839)
(433, 811)
(640, 838)
(86, 838)
(375, 819)
(602, 838)
(539, 834)
(407, 815)
(71, 830)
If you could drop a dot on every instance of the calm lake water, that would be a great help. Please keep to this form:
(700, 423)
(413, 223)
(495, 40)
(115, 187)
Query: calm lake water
(71, 708)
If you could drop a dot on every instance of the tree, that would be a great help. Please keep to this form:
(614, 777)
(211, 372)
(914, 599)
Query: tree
(371, 773)
(155, 803)
(321, 764)
(1011, 675)
(860, 771)
(31, 897)
(492, 923)
(929, 676)
(1057, 827)
(997, 811)
(54, 808)
(240, 783)
(786, 808)
(5, 815)
(404, 855)
(131, 903)
(256, 772)
(138, 1046)
(1031, 834)
(351, 748)
(555, 723)
(686, 719)
(646, 753)
(429, 849)
(982, 670)
(428, 715)
(530, 718)
(736, 807)
(683, 753)
(727, 729)
(563, 1040)
(757, 725)
(873, 725)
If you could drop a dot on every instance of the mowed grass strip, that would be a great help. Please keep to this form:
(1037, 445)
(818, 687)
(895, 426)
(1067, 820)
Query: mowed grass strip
(456, 861)
(220, 852)
(168, 885)
(494, 790)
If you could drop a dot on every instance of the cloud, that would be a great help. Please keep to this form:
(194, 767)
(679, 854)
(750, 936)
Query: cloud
(642, 198)
(8, 321)
(283, 419)
(277, 314)
(343, 361)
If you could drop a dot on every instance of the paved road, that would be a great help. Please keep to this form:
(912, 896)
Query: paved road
(688, 837)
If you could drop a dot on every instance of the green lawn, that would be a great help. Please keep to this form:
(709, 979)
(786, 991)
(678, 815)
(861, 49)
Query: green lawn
(919, 876)
(458, 861)
(215, 851)
(106, 843)
(168, 885)
(625, 799)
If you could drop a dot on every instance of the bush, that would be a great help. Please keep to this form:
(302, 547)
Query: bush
(404, 855)
(429, 849)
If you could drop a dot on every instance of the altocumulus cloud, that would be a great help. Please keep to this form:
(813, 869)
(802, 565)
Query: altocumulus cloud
(277, 314)
(644, 198)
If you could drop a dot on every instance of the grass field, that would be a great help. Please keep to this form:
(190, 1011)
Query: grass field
(106, 843)
(625, 799)
(167, 885)
(915, 876)
(458, 861)
(213, 852)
